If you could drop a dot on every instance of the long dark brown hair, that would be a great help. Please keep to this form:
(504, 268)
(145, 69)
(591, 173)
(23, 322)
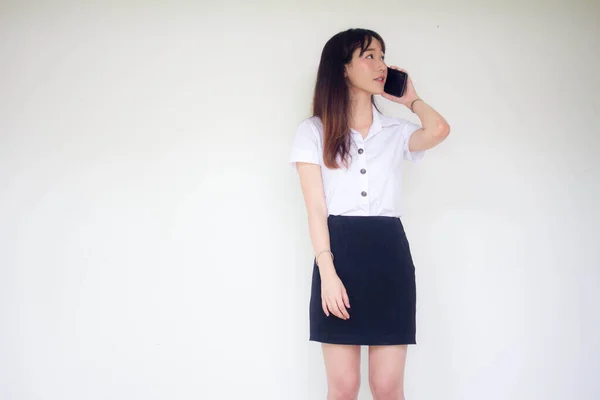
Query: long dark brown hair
(331, 100)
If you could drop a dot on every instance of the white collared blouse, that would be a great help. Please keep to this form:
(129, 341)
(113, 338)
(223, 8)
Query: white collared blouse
(372, 185)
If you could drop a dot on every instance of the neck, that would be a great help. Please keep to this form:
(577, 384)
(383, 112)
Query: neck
(361, 109)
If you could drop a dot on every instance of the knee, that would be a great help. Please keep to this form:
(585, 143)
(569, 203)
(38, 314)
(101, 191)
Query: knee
(343, 387)
(386, 388)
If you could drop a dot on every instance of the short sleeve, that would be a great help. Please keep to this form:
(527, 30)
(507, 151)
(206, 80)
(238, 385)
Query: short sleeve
(407, 130)
(305, 146)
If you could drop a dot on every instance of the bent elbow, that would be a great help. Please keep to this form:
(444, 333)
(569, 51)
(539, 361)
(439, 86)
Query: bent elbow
(442, 131)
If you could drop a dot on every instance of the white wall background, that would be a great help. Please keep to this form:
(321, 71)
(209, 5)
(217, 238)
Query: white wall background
(153, 240)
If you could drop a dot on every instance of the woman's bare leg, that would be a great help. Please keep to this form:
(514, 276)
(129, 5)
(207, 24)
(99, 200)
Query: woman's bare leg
(386, 372)
(342, 364)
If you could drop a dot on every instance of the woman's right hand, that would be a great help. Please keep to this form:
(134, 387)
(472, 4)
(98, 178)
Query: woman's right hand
(334, 298)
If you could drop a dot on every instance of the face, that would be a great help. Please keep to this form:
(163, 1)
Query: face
(367, 72)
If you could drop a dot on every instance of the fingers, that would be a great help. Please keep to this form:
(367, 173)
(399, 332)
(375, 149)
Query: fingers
(324, 305)
(334, 299)
(332, 305)
(345, 298)
(336, 306)
(343, 311)
(327, 307)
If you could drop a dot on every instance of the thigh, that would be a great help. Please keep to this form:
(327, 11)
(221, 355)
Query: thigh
(386, 366)
(342, 364)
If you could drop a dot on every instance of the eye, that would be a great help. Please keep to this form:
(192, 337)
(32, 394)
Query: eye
(370, 55)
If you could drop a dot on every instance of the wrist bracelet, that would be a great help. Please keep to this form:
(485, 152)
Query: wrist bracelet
(413, 102)
(321, 252)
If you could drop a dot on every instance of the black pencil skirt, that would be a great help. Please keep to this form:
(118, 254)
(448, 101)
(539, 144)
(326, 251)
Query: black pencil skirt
(373, 261)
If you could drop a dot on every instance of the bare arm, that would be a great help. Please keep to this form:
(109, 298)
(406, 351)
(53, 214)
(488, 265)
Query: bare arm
(333, 294)
(435, 128)
(314, 198)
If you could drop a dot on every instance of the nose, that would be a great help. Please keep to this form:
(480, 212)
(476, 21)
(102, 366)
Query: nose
(382, 67)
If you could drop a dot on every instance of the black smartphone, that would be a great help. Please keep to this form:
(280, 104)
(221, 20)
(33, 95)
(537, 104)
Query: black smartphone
(395, 83)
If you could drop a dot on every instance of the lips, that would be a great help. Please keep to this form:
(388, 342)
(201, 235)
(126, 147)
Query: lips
(380, 79)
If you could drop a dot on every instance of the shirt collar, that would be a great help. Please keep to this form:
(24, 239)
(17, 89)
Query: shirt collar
(380, 121)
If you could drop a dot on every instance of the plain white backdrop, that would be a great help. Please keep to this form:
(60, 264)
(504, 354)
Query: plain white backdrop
(154, 242)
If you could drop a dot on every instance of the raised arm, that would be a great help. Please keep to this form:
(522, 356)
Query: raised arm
(434, 127)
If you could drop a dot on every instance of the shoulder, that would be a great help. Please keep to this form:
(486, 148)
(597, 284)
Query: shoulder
(306, 146)
(400, 125)
(310, 127)
(313, 123)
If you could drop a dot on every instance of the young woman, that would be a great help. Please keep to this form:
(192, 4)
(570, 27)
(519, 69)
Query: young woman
(349, 160)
